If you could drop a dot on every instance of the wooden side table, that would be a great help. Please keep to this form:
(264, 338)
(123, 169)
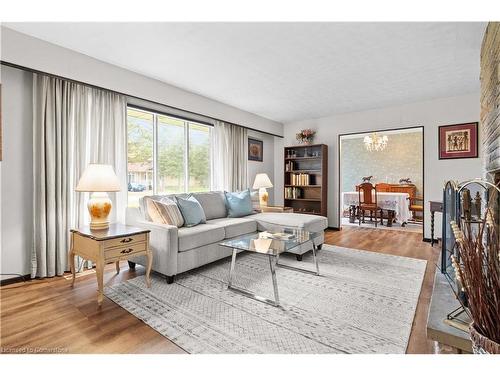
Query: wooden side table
(119, 242)
(276, 209)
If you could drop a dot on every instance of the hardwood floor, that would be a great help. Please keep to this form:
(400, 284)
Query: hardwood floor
(49, 316)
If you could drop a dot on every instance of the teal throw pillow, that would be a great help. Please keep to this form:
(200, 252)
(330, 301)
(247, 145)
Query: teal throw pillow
(191, 211)
(239, 204)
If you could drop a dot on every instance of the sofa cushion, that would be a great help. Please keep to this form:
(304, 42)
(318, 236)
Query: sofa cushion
(274, 220)
(239, 204)
(191, 210)
(213, 203)
(235, 226)
(164, 211)
(200, 235)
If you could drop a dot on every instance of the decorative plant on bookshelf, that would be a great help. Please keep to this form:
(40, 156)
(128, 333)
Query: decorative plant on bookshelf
(306, 136)
(477, 268)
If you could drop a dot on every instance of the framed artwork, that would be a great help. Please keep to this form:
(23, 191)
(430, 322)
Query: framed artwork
(255, 149)
(458, 141)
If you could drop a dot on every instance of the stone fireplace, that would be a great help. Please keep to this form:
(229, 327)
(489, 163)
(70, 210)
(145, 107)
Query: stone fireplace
(490, 107)
(490, 101)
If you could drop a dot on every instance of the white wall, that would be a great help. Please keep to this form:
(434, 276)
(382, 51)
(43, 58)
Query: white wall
(429, 114)
(24, 50)
(17, 172)
(267, 165)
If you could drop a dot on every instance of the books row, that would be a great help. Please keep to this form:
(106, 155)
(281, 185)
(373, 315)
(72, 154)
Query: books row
(300, 179)
(293, 193)
(289, 166)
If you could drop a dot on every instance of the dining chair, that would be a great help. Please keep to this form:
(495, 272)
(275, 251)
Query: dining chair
(416, 205)
(367, 201)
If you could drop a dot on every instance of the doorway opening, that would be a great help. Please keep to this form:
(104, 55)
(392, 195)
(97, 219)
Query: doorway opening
(381, 179)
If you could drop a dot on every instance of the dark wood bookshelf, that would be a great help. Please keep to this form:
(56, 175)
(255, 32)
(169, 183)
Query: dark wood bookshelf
(305, 158)
(306, 178)
(303, 199)
(304, 170)
(304, 186)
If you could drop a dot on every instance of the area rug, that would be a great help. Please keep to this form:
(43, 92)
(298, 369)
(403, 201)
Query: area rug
(363, 302)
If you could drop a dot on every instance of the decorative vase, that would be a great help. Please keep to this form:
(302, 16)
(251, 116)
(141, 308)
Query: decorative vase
(481, 344)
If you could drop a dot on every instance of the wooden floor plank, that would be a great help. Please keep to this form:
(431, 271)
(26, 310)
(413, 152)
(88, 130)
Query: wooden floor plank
(49, 313)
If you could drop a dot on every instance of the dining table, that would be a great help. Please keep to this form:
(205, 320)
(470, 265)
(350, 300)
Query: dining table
(397, 204)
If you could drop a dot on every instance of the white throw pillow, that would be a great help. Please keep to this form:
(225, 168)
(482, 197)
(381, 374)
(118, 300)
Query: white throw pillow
(164, 211)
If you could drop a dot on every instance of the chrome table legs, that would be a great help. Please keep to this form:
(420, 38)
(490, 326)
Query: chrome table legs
(315, 260)
(273, 263)
(247, 293)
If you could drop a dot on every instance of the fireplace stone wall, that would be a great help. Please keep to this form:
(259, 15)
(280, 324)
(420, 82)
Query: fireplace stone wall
(490, 100)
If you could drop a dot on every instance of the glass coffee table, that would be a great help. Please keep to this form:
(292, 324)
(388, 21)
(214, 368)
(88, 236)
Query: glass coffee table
(271, 245)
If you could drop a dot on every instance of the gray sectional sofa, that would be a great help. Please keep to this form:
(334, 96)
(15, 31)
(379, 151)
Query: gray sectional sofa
(176, 250)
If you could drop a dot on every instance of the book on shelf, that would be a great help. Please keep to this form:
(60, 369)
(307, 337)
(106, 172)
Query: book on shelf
(289, 166)
(300, 179)
(293, 193)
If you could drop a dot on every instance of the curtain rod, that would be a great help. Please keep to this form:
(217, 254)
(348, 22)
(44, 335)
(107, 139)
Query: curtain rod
(20, 67)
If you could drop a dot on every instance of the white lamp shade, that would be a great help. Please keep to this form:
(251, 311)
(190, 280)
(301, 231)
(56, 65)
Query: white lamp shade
(98, 177)
(262, 181)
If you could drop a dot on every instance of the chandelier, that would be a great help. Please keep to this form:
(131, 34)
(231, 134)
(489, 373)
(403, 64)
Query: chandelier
(374, 142)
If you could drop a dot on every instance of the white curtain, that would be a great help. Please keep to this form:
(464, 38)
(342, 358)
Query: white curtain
(73, 125)
(229, 155)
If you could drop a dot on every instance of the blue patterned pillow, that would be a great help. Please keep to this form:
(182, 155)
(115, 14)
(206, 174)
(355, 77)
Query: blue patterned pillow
(191, 211)
(239, 204)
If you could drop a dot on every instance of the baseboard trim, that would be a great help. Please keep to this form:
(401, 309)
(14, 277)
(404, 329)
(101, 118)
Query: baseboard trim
(333, 228)
(14, 280)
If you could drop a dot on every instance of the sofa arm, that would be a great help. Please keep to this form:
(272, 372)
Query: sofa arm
(163, 241)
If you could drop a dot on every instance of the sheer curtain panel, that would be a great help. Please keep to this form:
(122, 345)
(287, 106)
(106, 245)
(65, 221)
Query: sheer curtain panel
(73, 125)
(230, 145)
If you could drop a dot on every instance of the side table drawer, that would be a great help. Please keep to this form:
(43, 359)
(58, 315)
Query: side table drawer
(125, 241)
(124, 251)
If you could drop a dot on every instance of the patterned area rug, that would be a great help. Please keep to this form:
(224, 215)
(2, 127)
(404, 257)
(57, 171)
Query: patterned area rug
(363, 302)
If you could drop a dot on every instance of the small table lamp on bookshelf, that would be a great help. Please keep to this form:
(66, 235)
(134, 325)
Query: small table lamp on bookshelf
(262, 182)
(99, 179)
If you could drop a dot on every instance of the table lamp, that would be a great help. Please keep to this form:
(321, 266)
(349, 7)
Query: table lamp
(99, 179)
(262, 182)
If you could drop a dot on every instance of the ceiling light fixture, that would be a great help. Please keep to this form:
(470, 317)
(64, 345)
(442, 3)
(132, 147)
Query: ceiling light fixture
(374, 142)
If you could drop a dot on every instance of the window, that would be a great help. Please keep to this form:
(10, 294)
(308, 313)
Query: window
(166, 155)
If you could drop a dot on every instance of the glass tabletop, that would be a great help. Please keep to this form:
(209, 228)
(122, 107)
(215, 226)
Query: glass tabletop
(272, 243)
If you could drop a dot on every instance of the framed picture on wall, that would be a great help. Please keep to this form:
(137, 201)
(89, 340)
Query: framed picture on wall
(458, 141)
(255, 149)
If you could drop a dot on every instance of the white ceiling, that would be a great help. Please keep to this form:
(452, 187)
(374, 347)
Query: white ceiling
(288, 71)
